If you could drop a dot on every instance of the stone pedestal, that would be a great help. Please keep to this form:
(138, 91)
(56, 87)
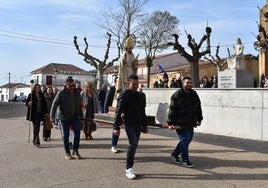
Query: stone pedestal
(233, 78)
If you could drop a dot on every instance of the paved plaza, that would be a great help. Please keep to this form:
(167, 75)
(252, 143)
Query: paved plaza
(220, 162)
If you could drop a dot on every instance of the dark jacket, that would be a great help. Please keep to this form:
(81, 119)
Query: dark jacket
(49, 100)
(109, 99)
(102, 96)
(33, 108)
(62, 100)
(185, 109)
(130, 104)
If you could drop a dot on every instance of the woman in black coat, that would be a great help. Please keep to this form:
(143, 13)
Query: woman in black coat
(37, 110)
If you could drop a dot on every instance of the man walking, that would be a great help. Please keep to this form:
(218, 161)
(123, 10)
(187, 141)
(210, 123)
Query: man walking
(130, 111)
(69, 102)
(184, 114)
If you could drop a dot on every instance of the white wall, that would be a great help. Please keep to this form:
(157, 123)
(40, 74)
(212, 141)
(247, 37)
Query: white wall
(233, 112)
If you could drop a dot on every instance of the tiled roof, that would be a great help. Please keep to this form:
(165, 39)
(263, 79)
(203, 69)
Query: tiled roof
(60, 68)
(11, 85)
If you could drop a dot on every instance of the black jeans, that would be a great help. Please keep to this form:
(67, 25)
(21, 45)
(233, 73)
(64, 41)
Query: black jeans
(36, 129)
(133, 133)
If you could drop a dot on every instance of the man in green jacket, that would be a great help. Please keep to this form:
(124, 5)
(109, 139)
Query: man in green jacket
(69, 102)
(184, 114)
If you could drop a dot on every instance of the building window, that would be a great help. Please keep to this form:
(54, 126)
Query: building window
(49, 80)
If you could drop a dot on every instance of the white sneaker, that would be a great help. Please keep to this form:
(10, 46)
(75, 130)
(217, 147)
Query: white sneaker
(114, 149)
(130, 173)
(133, 171)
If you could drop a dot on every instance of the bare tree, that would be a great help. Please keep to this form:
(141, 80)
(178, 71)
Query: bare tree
(100, 65)
(219, 62)
(123, 22)
(196, 55)
(155, 32)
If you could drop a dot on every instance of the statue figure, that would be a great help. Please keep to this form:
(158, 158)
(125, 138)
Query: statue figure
(128, 65)
(236, 61)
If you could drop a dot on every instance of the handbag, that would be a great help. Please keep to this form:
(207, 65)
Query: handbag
(48, 124)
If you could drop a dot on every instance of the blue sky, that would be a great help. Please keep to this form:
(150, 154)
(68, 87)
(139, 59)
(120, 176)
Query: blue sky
(30, 28)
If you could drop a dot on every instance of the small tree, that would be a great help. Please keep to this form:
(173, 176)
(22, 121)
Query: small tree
(196, 55)
(155, 32)
(217, 61)
(100, 65)
(123, 22)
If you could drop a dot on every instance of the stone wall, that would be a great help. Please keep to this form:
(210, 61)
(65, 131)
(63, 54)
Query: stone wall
(229, 112)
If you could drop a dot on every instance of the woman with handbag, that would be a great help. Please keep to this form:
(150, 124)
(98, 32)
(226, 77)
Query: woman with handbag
(89, 107)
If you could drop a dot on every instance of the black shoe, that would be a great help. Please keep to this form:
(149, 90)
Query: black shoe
(76, 155)
(175, 159)
(187, 164)
(37, 145)
(68, 156)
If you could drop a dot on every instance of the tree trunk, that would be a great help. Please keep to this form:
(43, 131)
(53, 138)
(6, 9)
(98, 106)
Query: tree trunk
(149, 63)
(195, 74)
(148, 76)
(100, 78)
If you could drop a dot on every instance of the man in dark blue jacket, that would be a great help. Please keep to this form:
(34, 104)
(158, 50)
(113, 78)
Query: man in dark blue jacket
(130, 111)
(184, 114)
(69, 102)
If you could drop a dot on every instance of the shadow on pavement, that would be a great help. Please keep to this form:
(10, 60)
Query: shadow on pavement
(232, 142)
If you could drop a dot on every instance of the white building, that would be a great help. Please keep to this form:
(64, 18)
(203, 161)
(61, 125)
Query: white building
(55, 74)
(8, 91)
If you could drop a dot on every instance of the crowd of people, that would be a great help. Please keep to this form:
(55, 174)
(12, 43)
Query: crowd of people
(205, 82)
(75, 107)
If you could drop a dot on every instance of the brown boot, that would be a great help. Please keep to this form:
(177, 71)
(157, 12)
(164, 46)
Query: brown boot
(90, 136)
(86, 136)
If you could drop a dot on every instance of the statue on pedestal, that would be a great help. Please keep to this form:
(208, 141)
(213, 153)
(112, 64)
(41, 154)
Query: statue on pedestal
(236, 61)
(128, 65)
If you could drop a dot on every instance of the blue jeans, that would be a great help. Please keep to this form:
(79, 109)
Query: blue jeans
(114, 139)
(102, 108)
(133, 134)
(65, 127)
(185, 136)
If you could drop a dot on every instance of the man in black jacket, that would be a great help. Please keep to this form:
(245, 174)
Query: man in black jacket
(184, 114)
(130, 111)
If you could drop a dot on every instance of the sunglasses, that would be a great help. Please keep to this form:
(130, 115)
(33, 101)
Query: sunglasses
(88, 86)
(71, 85)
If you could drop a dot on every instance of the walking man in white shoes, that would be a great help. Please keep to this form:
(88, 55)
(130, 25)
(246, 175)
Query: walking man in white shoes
(130, 111)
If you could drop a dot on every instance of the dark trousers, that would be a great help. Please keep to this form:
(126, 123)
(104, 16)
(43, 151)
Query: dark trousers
(36, 129)
(46, 133)
(185, 137)
(114, 139)
(133, 133)
(66, 131)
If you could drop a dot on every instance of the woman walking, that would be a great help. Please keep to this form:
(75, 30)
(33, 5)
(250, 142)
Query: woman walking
(89, 107)
(37, 110)
(49, 96)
